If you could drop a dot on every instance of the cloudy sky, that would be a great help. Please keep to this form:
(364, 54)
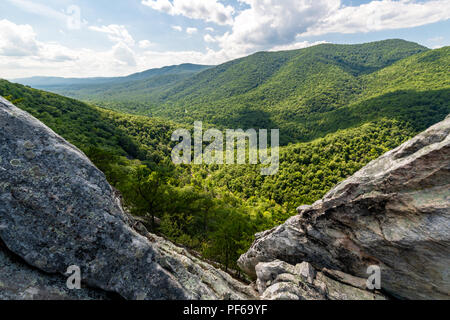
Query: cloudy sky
(85, 38)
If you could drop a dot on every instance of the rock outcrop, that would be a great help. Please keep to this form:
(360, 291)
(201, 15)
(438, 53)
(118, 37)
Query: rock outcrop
(278, 280)
(58, 210)
(393, 213)
(19, 281)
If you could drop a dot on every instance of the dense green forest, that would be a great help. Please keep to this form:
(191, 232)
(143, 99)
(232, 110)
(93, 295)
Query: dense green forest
(337, 107)
(134, 154)
(323, 89)
(308, 170)
(132, 93)
(306, 93)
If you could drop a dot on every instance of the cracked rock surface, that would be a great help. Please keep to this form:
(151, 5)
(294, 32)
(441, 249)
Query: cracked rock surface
(19, 281)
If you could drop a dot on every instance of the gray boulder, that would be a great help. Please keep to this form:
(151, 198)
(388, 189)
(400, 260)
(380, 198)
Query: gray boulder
(58, 210)
(19, 281)
(278, 280)
(393, 213)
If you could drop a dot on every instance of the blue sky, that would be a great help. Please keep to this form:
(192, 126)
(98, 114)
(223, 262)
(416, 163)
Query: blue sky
(83, 38)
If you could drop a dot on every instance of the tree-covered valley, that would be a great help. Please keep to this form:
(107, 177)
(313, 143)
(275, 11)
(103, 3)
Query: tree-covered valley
(337, 107)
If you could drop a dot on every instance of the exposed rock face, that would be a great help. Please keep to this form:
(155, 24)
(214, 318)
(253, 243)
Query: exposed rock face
(19, 281)
(57, 210)
(394, 213)
(278, 280)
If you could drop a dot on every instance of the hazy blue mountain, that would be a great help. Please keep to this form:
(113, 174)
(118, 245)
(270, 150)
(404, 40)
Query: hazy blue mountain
(48, 82)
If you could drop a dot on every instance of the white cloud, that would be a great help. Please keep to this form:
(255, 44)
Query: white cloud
(121, 51)
(284, 24)
(116, 33)
(21, 41)
(145, 44)
(264, 25)
(55, 52)
(17, 40)
(124, 55)
(210, 10)
(269, 23)
(191, 30)
(71, 17)
(382, 15)
(22, 55)
(209, 38)
(157, 59)
(160, 5)
(297, 45)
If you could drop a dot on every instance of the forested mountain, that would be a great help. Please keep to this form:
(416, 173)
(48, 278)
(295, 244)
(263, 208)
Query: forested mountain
(337, 107)
(49, 82)
(86, 126)
(215, 210)
(318, 90)
(306, 93)
(269, 78)
(117, 92)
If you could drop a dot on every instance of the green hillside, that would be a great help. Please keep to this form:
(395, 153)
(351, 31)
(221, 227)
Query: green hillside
(90, 127)
(312, 96)
(271, 77)
(131, 93)
(199, 205)
(133, 152)
(326, 88)
(309, 170)
(306, 93)
(337, 108)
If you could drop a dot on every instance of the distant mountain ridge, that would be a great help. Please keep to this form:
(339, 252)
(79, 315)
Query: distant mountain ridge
(306, 93)
(337, 106)
(41, 82)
